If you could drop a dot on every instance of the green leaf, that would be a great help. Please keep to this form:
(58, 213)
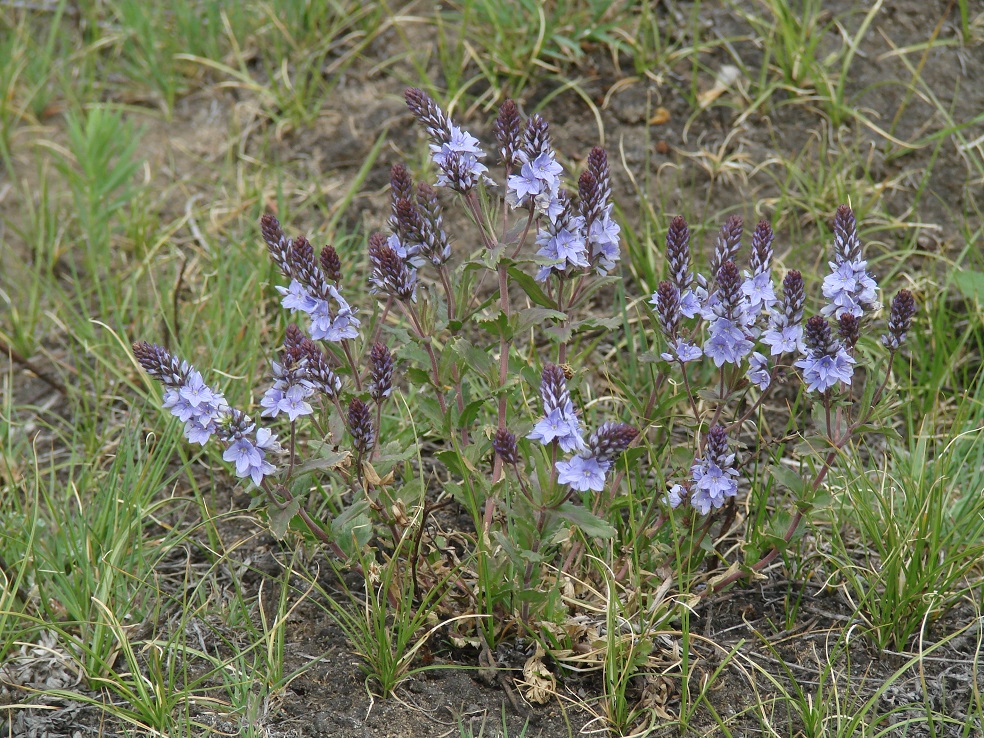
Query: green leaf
(475, 359)
(591, 524)
(971, 284)
(526, 319)
(497, 324)
(530, 287)
(280, 519)
(328, 460)
(791, 480)
(353, 528)
(609, 324)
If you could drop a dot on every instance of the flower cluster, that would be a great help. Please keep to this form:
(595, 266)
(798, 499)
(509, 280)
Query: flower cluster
(827, 361)
(456, 152)
(587, 470)
(714, 478)
(848, 288)
(313, 283)
(303, 371)
(206, 412)
(560, 423)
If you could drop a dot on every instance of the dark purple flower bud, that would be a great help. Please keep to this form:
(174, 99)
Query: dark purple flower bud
(899, 319)
(819, 338)
(598, 166)
(360, 426)
(401, 188)
(508, 130)
(847, 245)
(331, 265)
(319, 372)
(160, 364)
(409, 224)
(428, 112)
(762, 237)
(553, 389)
(459, 172)
(293, 341)
(504, 444)
(277, 243)
(610, 440)
(729, 289)
(434, 241)
(304, 268)
(793, 297)
(717, 451)
(728, 242)
(401, 183)
(380, 372)
(678, 253)
(668, 308)
(536, 137)
(589, 194)
(390, 274)
(849, 329)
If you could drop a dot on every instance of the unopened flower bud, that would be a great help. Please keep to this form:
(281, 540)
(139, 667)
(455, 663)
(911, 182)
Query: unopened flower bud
(504, 444)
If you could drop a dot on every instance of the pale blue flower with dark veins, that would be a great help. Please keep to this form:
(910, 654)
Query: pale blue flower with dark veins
(726, 343)
(199, 430)
(250, 458)
(849, 289)
(712, 486)
(297, 298)
(682, 351)
(270, 402)
(758, 371)
(675, 496)
(603, 238)
(785, 340)
(293, 402)
(545, 168)
(582, 473)
(760, 293)
(690, 302)
(561, 425)
(177, 405)
(468, 152)
(522, 186)
(823, 372)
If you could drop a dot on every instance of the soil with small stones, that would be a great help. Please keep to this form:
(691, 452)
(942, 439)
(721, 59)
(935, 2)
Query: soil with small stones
(703, 162)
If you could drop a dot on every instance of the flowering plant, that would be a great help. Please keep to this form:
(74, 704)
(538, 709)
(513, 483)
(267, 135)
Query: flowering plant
(533, 479)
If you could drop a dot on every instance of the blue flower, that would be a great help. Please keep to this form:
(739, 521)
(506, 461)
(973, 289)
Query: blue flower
(682, 351)
(675, 496)
(582, 473)
(760, 293)
(250, 458)
(293, 402)
(823, 372)
(784, 340)
(691, 302)
(297, 298)
(561, 425)
(712, 486)
(726, 343)
(458, 160)
(604, 242)
(539, 179)
(849, 289)
(758, 371)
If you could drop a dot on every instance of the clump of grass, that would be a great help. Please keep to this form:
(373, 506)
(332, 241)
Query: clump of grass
(920, 522)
